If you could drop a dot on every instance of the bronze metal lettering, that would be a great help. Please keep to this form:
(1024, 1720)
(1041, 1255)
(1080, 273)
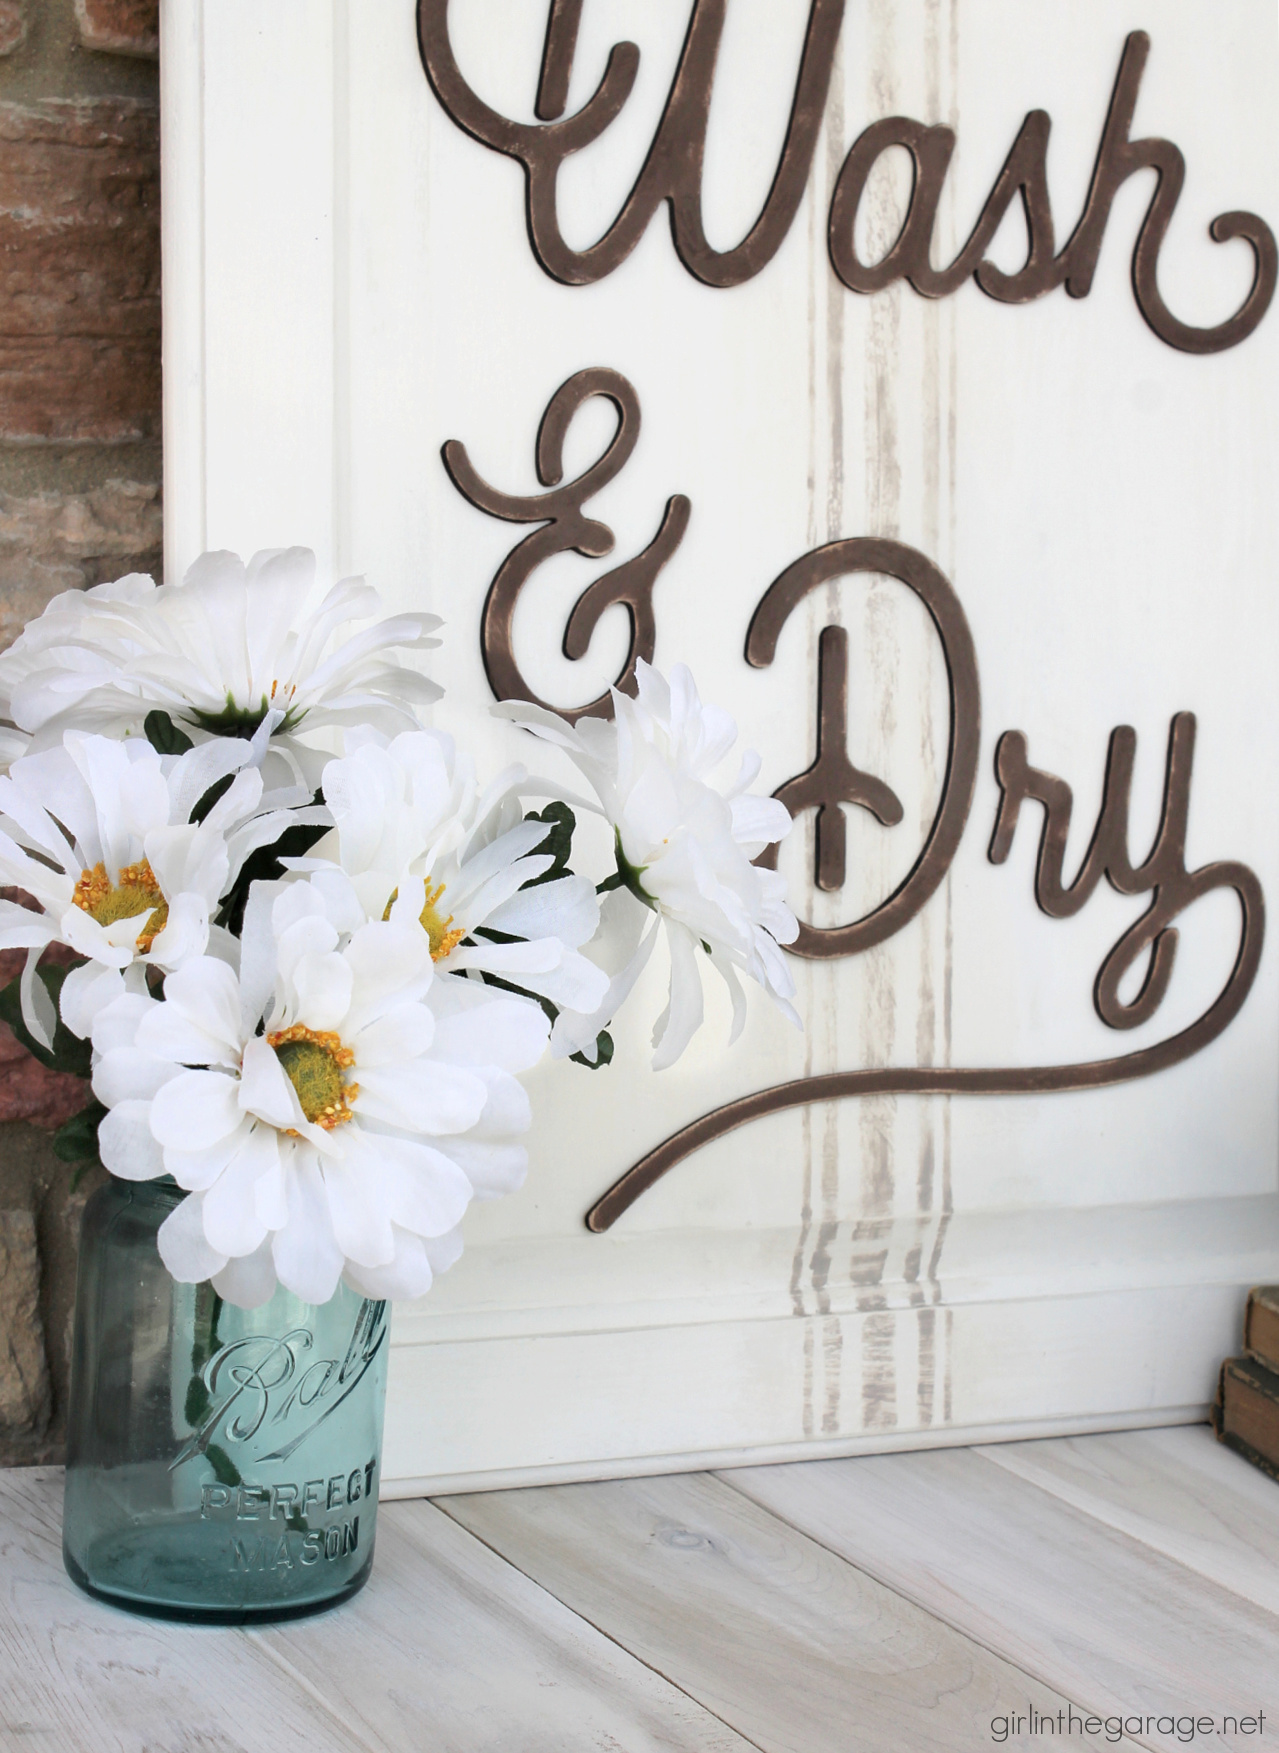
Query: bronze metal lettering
(672, 173)
(1117, 159)
(946, 1080)
(1163, 875)
(832, 779)
(1024, 173)
(557, 59)
(567, 527)
(910, 258)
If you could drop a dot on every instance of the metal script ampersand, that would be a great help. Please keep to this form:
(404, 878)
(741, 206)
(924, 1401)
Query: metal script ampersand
(832, 780)
(567, 528)
(672, 174)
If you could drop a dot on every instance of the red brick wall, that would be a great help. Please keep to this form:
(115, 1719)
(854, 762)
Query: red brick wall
(79, 503)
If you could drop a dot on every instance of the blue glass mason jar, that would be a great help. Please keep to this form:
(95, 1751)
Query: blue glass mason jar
(222, 1463)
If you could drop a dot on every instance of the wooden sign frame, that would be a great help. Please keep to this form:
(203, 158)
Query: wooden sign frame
(957, 1210)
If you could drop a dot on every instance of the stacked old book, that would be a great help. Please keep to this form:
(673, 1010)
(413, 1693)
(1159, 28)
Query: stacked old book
(1246, 1413)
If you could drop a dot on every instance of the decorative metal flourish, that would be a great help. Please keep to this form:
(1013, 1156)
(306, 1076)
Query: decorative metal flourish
(566, 527)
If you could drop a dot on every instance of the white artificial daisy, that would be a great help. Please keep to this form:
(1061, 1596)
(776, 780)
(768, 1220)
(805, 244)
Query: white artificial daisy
(685, 844)
(331, 1108)
(99, 833)
(423, 846)
(13, 743)
(218, 652)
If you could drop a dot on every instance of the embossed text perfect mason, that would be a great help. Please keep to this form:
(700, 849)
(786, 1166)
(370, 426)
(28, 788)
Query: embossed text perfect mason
(672, 173)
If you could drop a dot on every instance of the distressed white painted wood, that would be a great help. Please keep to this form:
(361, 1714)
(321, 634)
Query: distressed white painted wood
(677, 1341)
(664, 1399)
(1180, 1491)
(78, 1677)
(908, 1600)
(348, 284)
(447, 1646)
(450, 1646)
(1100, 1616)
(782, 1639)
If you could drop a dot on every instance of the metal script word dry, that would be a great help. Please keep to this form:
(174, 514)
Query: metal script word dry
(1162, 875)
(833, 782)
(672, 173)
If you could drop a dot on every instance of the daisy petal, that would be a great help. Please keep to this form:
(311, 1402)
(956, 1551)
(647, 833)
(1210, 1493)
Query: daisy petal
(231, 1222)
(86, 993)
(307, 1259)
(197, 1170)
(504, 1032)
(183, 1246)
(129, 1074)
(491, 1169)
(424, 1190)
(358, 1206)
(126, 1144)
(250, 1281)
(682, 1017)
(408, 1275)
(186, 934)
(422, 1096)
(196, 1109)
(117, 1023)
(444, 1251)
(200, 1021)
(405, 1033)
(265, 1090)
(38, 1011)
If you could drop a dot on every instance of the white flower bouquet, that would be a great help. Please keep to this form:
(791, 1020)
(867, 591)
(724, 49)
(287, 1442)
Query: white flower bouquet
(305, 984)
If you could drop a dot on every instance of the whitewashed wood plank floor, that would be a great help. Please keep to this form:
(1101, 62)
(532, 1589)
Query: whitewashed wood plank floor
(891, 1602)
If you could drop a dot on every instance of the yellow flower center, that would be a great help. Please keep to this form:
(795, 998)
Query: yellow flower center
(314, 1061)
(135, 892)
(444, 935)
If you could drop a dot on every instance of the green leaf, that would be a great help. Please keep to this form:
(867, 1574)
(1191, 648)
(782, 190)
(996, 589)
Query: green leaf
(69, 1053)
(164, 736)
(558, 843)
(224, 1468)
(603, 1053)
(263, 866)
(603, 1041)
(552, 1010)
(208, 1312)
(197, 1402)
(76, 1140)
(217, 790)
(630, 875)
